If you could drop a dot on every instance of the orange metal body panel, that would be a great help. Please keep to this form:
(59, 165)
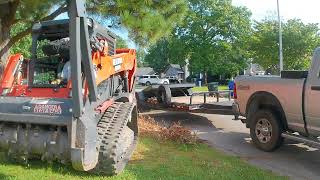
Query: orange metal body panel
(8, 78)
(105, 64)
(23, 90)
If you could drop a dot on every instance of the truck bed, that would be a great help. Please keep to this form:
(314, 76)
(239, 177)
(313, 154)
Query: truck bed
(289, 91)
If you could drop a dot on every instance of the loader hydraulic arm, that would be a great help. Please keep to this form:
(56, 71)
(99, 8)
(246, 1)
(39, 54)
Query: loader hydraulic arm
(80, 52)
(10, 74)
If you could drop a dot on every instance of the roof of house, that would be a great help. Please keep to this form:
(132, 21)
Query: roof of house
(145, 71)
(174, 67)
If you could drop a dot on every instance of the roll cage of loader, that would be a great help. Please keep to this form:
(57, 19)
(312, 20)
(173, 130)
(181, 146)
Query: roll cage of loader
(50, 49)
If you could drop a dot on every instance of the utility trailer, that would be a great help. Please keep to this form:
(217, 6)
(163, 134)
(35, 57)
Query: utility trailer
(164, 96)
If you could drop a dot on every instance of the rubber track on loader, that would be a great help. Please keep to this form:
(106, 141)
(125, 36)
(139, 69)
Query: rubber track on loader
(112, 130)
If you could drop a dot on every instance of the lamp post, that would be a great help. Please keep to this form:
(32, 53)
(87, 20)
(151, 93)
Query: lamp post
(280, 39)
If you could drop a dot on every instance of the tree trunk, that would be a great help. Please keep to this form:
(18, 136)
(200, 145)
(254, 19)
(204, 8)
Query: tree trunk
(205, 78)
(7, 17)
(4, 40)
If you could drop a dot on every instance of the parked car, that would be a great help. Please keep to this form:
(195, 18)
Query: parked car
(277, 107)
(174, 79)
(152, 79)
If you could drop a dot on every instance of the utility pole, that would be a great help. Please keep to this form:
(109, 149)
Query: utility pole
(280, 39)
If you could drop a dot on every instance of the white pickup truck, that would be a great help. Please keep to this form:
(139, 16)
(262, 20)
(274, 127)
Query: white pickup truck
(277, 107)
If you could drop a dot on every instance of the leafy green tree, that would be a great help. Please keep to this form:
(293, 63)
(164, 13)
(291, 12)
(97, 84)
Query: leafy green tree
(19, 15)
(158, 56)
(23, 45)
(299, 41)
(146, 20)
(121, 43)
(213, 38)
(166, 51)
(215, 32)
(141, 54)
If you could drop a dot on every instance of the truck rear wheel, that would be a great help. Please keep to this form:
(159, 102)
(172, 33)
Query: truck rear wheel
(265, 130)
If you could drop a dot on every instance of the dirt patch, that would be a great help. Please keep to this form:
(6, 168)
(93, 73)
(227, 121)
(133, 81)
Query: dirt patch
(175, 132)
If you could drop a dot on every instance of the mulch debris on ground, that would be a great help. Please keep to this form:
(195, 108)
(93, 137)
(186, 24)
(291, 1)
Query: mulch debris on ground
(175, 132)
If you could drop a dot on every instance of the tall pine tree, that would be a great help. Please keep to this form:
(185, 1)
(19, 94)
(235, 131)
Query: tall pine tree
(146, 21)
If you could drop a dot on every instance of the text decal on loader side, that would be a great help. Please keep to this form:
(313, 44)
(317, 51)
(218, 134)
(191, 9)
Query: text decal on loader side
(117, 63)
(47, 109)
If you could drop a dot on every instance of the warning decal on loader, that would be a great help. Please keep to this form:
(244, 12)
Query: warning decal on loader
(117, 63)
(47, 109)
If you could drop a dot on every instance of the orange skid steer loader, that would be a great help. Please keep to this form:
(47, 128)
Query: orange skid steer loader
(73, 100)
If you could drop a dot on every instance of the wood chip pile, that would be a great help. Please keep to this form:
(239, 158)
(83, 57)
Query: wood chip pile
(148, 126)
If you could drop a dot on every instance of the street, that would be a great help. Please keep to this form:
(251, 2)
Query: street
(293, 159)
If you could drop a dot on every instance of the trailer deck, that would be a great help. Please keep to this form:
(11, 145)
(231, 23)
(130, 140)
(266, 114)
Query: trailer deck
(179, 97)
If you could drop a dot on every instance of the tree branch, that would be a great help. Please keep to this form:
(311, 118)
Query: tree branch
(63, 8)
(27, 31)
(91, 9)
(19, 36)
(15, 21)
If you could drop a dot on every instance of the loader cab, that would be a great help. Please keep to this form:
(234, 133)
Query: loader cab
(50, 52)
(40, 76)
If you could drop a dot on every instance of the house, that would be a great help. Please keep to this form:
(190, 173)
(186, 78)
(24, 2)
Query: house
(176, 71)
(145, 71)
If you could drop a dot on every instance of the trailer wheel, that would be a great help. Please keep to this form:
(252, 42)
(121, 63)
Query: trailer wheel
(164, 95)
(265, 130)
(148, 83)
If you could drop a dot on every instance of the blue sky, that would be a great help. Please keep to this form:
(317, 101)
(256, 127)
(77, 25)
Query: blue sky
(306, 10)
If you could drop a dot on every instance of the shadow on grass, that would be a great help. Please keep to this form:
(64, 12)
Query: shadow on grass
(168, 118)
(5, 177)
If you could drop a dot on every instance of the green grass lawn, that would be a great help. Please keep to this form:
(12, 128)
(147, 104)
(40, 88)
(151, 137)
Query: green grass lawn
(151, 160)
(205, 88)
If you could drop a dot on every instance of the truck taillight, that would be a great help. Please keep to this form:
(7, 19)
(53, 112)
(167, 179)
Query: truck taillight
(235, 91)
